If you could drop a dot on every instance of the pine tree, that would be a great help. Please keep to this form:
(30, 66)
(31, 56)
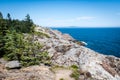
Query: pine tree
(1, 16)
(3, 32)
(9, 46)
(9, 17)
(28, 23)
(14, 45)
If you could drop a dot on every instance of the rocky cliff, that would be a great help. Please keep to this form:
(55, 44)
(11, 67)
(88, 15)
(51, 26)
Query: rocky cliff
(66, 51)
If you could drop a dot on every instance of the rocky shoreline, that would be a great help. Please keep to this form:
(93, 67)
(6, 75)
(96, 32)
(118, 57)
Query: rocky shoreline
(66, 51)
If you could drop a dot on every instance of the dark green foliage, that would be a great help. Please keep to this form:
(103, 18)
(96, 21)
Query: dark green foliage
(27, 51)
(9, 17)
(1, 16)
(28, 22)
(33, 53)
(3, 27)
(23, 26)
(4, 30)
(14, 45)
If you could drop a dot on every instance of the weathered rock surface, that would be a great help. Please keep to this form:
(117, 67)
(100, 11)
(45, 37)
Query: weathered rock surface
(2, 71)
(13, 65)
(63, 74)
(29, 73)
(65, 51)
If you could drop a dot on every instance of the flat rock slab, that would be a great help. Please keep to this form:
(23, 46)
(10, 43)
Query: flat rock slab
(13, 65)
(63, 74)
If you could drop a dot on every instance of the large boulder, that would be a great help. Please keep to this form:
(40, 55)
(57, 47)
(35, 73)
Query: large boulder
(13, 65)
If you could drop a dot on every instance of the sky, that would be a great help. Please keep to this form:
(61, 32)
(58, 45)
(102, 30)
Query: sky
(64, 13)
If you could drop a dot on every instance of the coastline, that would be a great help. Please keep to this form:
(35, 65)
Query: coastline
(65, 52)
(102, 40)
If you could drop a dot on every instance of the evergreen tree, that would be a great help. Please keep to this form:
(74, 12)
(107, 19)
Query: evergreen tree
(9, 46)
(1, 16)
(28, 18)
(9, 17)
(4, 30)
(28, 23)
(14, 45)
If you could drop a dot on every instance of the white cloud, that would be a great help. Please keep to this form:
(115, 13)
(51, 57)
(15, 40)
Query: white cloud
(76, 19)
(85, 18)
(67, 22)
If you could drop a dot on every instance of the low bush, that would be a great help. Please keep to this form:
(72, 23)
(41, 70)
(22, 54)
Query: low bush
(75, 74)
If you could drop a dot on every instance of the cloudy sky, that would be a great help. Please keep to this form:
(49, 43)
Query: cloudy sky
(62, 13)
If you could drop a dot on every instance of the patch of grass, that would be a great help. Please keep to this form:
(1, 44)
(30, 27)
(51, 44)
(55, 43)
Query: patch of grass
(41, 34)
(61, 79)
(74, 67)
(75, 74)
(55, 67)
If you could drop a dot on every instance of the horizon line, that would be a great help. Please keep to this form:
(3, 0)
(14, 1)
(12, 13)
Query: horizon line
(82, 26)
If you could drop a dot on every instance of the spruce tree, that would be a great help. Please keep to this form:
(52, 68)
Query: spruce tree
(1, 16)
(14, 45)
(28, 23)
(4, 30)
(9, 17)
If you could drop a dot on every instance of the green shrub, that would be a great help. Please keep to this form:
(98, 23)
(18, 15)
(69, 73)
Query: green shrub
(25, 50)
(74, 67)
(14, 45)
(75, 74)
(61, 79)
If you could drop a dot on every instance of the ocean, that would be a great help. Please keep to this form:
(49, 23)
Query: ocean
(103, 40)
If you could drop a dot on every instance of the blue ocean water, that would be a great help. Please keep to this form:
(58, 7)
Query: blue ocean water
(102, 40)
